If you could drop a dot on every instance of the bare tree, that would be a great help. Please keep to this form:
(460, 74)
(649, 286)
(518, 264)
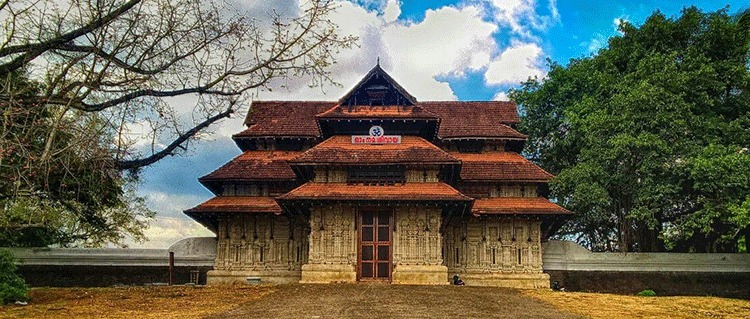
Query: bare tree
(82, 82)
(129, 59)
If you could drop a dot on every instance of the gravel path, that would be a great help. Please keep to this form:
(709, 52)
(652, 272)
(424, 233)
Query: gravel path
(394, 301)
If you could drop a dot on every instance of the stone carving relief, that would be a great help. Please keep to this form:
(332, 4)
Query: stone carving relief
(493, 245)
(417, 238)
(260, 242)
(333, 237)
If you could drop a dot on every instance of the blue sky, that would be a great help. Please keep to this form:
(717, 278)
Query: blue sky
(437, 50)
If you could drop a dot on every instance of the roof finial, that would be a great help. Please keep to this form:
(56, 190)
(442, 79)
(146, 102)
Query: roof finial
(378, 60)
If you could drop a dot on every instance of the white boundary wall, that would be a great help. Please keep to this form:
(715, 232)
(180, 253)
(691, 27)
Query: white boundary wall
(567, 255)
(197, 251)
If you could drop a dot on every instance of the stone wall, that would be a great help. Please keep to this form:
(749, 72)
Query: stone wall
(100, 267)
(261, 245)
(417, 246)
(333, 245)
(495, 252)
(578, 269)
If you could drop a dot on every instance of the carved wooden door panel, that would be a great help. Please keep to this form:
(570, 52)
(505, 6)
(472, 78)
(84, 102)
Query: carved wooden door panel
(375, 244)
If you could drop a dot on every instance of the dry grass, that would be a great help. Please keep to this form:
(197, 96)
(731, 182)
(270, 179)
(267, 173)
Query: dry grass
(241, 301)
(608, 306)
(133, 302)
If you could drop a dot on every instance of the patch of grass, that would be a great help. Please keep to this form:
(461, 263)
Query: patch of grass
(647, 293)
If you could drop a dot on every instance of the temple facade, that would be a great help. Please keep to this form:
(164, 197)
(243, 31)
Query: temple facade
(380, 187)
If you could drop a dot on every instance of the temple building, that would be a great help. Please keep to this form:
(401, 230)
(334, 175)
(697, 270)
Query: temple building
(378, 186)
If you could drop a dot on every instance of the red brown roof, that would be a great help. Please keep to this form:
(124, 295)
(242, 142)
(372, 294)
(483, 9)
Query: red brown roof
(475, 119)
(500, 166)
(370, 112)
(256, 166)
(517, 206)
(405, 192)
(284, 118)
(340, 150)
(237, 204)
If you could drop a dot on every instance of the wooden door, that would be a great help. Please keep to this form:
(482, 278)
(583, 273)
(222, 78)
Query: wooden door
(375, 244)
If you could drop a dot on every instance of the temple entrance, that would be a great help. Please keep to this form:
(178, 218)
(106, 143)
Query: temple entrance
(375, 244)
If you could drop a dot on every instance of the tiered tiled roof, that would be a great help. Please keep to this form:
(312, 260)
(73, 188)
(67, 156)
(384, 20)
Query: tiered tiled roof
(340, 150)
(405, 192)
(489, 119)
(284, 119)
(256, 166)
(237, 204)
(517, 206)
(373, 112)
(500, 166)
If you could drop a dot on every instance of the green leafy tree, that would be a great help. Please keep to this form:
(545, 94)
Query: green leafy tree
(649, 136)
(12, 286)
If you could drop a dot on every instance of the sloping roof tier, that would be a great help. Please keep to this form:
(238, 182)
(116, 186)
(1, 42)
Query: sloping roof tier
(237, 204)
(377, 112)
(283, 119)
(475, 119)
(346, 192)
(340, 150)
(517, 206)
(256, 166)
(500, 166)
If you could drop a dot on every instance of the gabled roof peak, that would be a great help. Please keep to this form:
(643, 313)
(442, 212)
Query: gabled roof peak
(377, 87)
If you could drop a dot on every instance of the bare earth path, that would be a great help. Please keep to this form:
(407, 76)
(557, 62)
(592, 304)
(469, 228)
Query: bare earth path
(393, 301)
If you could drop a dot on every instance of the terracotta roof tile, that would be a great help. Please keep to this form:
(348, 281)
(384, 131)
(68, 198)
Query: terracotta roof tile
(284, 118)
(387, 111)
(237, 204)
(517, 205)
(475, 119)
(500, 166)
(256, 166)
(405, 192)
(340, 150)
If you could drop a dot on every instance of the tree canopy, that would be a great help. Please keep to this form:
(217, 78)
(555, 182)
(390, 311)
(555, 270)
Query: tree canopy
(649, 136)
(94, 89)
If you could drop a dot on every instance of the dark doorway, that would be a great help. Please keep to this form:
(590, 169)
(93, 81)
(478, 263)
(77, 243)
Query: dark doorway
(375, 244)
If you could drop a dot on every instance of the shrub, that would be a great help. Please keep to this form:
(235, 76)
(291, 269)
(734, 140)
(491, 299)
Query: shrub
(647, 293)
(12, 286)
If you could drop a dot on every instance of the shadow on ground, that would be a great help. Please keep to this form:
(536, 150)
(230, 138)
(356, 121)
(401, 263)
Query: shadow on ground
(394, 301)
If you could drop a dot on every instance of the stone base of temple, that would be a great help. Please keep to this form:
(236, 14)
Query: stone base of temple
(224, 277)
(510, 280)
(420, 275)
(328, 273)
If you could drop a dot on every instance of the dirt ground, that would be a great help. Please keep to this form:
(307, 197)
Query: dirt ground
(394, 301)
(609, 306)
(358, 300)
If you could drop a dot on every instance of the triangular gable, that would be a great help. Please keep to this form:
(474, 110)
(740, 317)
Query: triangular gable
(377, 88)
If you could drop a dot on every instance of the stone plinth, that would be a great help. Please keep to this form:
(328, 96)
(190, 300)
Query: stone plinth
(510, 280)
(420, 275)
(328, 273)
(220, 277)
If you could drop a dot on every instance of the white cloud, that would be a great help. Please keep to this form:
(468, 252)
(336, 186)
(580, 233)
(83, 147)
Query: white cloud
(501, 96)
(516, 64)
(521, 16)
(597, 42)
(392, 10)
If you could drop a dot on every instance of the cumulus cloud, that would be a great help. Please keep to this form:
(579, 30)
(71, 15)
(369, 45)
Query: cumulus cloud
(516, 64)
(522, 16)
(392, 10)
